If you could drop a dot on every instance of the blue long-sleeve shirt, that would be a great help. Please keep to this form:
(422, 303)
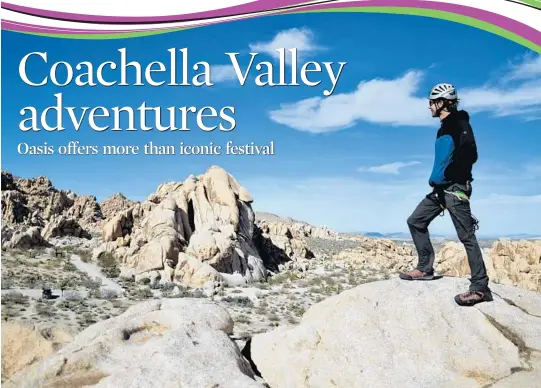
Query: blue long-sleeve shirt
(443, 156)
(455, 151)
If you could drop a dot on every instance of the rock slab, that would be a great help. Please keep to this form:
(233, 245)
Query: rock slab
(159, 343)
(396, 333)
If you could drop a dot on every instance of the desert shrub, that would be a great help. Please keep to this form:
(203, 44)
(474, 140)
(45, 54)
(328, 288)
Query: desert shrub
(273, 317)
(69, 266)
(297, 309)
(240, 300)
(315, 281)
(282, 277)
(91, 284)
(14, 298)
(167, 286)
(109, 266)
(72, 295)
(85, 255)
(142, 293)
(105, 293)
(197, 294)
(291, 319)
(262, 286)
(242, 319)
(7, 283)
(67, 282)
(45, 309)
(87, 319)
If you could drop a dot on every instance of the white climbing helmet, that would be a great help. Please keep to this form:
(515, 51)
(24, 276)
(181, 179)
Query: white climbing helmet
(443, 90)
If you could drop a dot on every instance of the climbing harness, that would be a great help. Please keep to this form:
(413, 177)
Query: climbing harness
(459, 194)
(463, 197)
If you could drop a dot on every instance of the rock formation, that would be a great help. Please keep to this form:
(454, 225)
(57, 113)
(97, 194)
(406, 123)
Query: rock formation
(380, 253)
(280, 243)
(37, 195)
(25, 237)
(114, 205)
(398, 334)
(207, 218)
(14, 210)
(25, 344)
(86, 211)
(59, 226)
(297, 229)
(37, 203)
(451, 260)
(517, 263)
(160, 343)
(508, 262)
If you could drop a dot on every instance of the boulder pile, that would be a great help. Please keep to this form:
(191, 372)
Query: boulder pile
(200, 233)
(508, 262)
(30, 205)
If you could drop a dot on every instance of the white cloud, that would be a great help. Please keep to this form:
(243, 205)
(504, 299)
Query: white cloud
(222, 73)
(521, 100)
(389, 168)
(401, 102)
(379, 100)
(301, 39)
(529, 68)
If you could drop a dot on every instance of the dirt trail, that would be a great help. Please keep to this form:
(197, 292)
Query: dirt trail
(93, 271)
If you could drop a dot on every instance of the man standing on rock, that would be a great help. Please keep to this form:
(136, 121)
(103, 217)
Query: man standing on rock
(451, 177)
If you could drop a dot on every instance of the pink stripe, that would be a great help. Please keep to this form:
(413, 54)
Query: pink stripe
(506, 23)
(253, 6)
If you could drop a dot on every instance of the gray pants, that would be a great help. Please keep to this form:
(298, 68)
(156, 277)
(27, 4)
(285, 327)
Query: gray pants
(464, 223)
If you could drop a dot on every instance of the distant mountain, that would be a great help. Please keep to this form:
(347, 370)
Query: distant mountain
(407, 236)
(392, 235)
(373, 234)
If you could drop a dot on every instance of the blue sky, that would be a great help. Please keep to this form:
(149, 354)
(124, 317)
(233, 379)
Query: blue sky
(358, 160)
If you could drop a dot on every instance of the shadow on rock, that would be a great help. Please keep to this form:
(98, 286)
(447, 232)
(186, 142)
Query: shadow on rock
(271, 254)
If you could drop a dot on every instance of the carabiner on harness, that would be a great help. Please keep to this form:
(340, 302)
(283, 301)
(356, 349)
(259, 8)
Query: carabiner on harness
(475, 225)
(459, 194)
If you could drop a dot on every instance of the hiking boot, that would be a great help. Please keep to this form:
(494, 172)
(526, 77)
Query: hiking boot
(471, 298)
(416, 275)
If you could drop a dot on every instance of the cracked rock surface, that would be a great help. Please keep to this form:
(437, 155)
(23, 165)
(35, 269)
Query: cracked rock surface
(395, 333)
(159, 343)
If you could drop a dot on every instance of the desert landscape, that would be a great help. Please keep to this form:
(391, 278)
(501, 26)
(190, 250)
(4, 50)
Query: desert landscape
(193, 288)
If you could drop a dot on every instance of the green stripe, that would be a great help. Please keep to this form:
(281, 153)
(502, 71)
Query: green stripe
(445, 16)
(389, 10)
(535, 3)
